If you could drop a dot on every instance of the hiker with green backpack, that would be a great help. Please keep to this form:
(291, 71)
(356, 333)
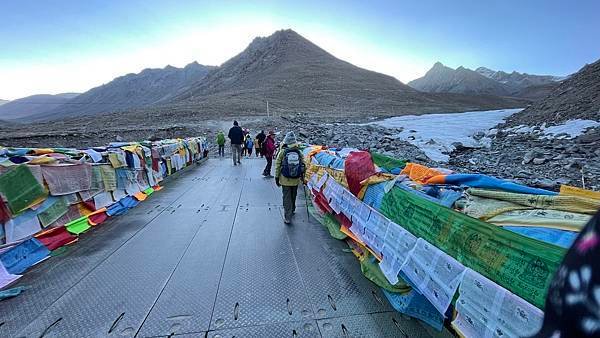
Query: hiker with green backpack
(221, 143)
(289, 170)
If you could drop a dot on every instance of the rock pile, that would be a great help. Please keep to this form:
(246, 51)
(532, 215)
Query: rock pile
(528, 158)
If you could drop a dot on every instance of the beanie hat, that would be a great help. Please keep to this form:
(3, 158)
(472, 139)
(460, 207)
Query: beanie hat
(290, 138)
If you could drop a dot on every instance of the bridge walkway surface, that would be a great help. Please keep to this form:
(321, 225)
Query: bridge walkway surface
(208, 256)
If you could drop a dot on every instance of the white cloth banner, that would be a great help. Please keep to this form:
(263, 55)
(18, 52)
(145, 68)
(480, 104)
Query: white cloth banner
(376, 227)
(358, 229)
(319, 183)
(103, 199)
(397, 244)
(22, 226)
(436, 274)
(119, 194)
(485, 309)
(5, 277)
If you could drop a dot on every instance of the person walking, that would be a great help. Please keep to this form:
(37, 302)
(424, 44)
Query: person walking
(236, 136)
(289, 169)
(260, 140)
(249, 144)
(221, 143)
(269, 150)
(257, 147)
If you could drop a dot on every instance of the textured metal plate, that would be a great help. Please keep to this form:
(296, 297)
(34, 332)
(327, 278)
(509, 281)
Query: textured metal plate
(280, 330)
(376, 325)
(189, 335)
(114, 298)
(260, 282)
(186, 303)
(335, 284)
(259, 191)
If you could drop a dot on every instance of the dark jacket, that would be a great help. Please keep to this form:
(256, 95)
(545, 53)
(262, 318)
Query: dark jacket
(236, 135)
(261, 138)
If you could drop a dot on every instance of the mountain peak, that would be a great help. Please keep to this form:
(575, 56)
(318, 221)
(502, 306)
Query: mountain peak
(280, 38)
(484, 70)
(287, 33)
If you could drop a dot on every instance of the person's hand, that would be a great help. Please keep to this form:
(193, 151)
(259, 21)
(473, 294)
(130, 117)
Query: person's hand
(277, 181)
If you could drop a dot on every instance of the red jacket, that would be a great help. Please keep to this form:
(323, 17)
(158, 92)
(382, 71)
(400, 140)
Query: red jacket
(269, 146)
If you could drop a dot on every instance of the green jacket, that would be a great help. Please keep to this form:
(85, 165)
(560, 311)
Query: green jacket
(221, 138)
(288, 182)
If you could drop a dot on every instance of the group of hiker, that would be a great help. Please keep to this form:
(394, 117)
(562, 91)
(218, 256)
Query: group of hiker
(249, 145)
(289, 162)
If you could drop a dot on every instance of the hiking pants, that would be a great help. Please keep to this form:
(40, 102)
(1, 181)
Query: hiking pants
(221, 150)
(267, 170)
(289, 200)
(236, 153)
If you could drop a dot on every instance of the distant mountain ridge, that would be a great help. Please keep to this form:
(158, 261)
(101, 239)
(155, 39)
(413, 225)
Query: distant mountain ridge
(3, 101)
(150, 86)
(293, 74)
(443, 79)
(518, 81)
(29, 106)
(577, 97)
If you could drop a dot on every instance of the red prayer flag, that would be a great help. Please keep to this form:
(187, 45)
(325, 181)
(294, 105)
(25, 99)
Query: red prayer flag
(97, 218)
(54, 238)
(4, 213)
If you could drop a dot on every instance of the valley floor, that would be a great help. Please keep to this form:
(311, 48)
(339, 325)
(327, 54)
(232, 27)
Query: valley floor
(436, 140)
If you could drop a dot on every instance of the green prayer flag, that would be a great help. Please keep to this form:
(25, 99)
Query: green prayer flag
(333, 226)
(97, 181)
(522, 265)
(370, 269)
(54, 212)
(78, 226)
(109, 177)
(149, 191)
(386, 162)
(20, 188)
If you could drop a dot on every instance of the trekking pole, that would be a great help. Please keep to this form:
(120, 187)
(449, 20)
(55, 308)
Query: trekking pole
(306, 200)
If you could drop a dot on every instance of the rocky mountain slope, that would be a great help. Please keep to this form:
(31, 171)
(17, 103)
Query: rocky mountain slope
(150, 86)
(295, 75)
(577, 97)
(32, 105)
(443, 79)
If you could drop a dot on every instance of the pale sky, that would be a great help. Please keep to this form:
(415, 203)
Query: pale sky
(72, 46)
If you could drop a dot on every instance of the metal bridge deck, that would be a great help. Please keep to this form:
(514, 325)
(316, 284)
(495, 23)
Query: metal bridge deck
(208, 256)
